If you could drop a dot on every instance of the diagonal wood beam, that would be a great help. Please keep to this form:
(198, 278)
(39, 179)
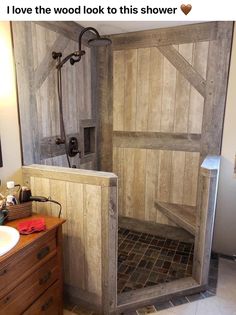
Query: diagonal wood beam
(68, 29)
(185, 68)
(48, 63)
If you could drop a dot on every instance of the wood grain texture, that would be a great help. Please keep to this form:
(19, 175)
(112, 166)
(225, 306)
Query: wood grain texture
(185, 68)
(168, 36)
(207, 193)
(70, 174)
(149, 295)
(47, 64)
(129, 94)
(217, 76)
(155, 90)
(168, 97)
(26, 274)
(109, 217)
(183, 216)
(119, 89)
(92, 242)
(38, 89)
(157, 229)
(166, 176)
(22, 34)
(105, 97)
(177, 177)
(69, 29)
(168, 117)
(199, 62)
(151, 191)
(142, 101)
(182, 97)
(191, 172)
(90, 231)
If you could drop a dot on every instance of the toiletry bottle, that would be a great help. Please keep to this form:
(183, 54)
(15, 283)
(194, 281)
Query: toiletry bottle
(11, 193)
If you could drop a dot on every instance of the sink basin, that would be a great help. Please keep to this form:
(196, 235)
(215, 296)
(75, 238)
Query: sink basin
(9, 237)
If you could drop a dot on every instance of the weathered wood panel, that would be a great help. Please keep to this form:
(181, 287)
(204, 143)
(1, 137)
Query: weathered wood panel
(119, 90)
(157, 140)
(169, 36)
(207, 194)
(104, 104)
(155, 90)
(66, 28)
(89, 206)
(183, 66)
(151, 95)
(217, 78)
(130, 90)
(23, 41)
(168, 94)
(33, 46)
(156, 175)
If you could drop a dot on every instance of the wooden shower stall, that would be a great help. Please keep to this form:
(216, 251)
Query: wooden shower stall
(156, 102)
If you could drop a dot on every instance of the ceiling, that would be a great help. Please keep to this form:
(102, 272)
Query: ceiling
(117, 27)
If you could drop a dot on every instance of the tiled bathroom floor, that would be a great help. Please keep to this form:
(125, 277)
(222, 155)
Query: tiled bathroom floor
(146, 260)
(223, 303)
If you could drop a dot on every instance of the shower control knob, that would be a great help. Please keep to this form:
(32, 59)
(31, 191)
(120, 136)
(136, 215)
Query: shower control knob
(56, 55)
(73, 147)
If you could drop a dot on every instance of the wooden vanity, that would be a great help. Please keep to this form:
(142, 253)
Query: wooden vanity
(31, 273)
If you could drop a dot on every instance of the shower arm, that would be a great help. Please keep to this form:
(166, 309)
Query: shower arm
(73, 60)
(84, 31)
(77, 53)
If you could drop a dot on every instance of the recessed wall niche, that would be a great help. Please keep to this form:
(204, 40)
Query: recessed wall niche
(88, 134)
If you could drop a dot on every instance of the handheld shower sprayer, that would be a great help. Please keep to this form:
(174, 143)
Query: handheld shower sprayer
(73, 148)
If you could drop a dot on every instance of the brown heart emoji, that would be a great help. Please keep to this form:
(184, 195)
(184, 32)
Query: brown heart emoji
(186, 8)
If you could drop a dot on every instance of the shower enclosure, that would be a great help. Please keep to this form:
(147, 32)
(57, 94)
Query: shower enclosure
(148, 108)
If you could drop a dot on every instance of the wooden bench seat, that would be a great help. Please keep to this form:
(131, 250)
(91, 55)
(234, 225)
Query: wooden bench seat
(182, 215)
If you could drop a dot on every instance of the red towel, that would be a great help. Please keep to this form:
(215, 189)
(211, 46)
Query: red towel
(32, 226)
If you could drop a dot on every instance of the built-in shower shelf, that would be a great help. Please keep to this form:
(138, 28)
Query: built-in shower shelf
(182, 215)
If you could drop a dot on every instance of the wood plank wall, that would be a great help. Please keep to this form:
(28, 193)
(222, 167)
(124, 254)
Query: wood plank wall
(37, 90)
(160, 115)
(89, 205)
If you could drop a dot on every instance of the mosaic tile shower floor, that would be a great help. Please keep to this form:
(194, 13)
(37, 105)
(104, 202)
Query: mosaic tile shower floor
(145, 260)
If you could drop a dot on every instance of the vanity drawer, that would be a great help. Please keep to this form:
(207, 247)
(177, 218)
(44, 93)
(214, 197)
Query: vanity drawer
(47, 304)
(19, 267)
(20, 298)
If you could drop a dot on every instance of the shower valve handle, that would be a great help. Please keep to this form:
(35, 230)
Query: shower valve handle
(59, 141)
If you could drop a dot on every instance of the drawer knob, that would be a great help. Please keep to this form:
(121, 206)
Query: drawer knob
(45, 278)
(3, 272)
(43, 252)
(47, 304)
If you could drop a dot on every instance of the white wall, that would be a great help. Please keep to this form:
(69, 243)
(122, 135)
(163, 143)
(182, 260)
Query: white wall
(9, 126)
(225, 225)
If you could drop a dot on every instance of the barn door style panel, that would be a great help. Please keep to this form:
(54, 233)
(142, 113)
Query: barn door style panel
(169, 89)
(37, 91)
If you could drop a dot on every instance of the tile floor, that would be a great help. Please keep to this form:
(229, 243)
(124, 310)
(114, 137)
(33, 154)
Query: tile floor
(145, 260)
(223, 303)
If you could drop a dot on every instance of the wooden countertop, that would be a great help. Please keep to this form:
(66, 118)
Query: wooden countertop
(26, 240)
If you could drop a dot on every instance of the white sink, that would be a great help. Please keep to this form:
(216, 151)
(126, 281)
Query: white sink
(9, 237)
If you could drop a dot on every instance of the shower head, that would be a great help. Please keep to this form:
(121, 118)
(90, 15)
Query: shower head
(74, 57)
(99, 42)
